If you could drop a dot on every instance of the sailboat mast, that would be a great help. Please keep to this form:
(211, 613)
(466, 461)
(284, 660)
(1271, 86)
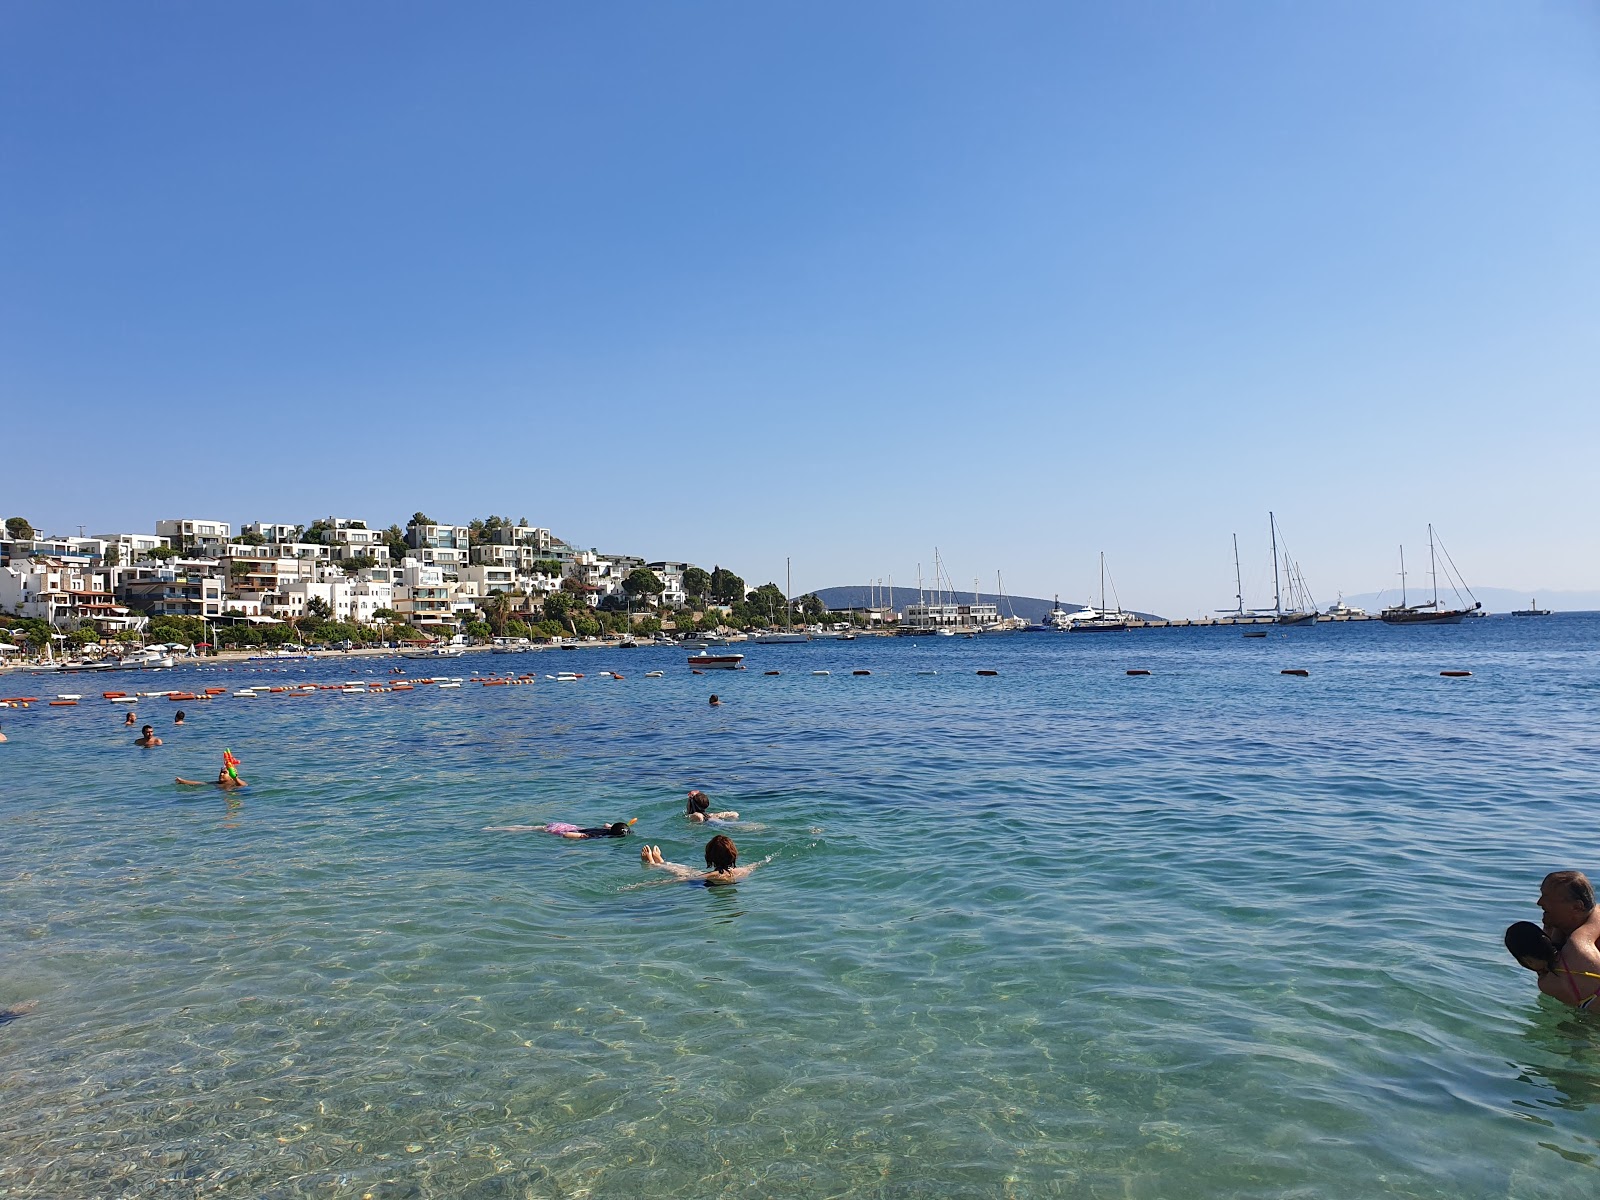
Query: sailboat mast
(1433, 568)
(1277, 595)
(1102, 581)
(1402, 577)
(788, 588)
(1238, 583)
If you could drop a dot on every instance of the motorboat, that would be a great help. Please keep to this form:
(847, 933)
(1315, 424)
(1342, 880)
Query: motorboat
(432, 652)
(510, 645)
(717, 662)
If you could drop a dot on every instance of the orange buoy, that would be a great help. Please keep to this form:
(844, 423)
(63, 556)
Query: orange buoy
(63, 704)
(114, 695)
(402, 687)
(692, 671)
(1300, 671)
(1136, 672)
(1456, 674)
(216, 691)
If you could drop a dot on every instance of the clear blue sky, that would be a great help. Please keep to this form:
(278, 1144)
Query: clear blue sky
(729, 282)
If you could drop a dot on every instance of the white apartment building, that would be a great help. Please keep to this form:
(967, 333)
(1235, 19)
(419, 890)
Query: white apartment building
(348, 538)
(671, 576)
(486, 579)
(351, 600)
(272, 531)
(207, 537)
(131, 547)
(64, 593)
(423, 597)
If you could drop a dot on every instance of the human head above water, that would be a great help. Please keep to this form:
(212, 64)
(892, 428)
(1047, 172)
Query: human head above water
(721, 853)
(177, 718)
(714, 699)
(1567, 900)
(1530, 946)
(699, 802)
(620, 828)
(147, 730)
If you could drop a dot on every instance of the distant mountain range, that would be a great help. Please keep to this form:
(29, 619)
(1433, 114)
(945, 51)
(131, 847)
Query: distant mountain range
(1029, 608)
(1495, 600)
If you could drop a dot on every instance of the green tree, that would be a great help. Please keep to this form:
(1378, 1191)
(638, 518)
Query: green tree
(317, 531)
(19, 529)
(113, 556)
(395, 538)
(812, 607)
(497, 608)
(585, 625)
(319, 608)
(480, 630)
(726, 587)
(251, 538)
(649, 625)
(384, 614)
(696, 583)
(766, 603)
(547, 566)
(419, 518)
(643, 583)
(359, 562)
(161, 552)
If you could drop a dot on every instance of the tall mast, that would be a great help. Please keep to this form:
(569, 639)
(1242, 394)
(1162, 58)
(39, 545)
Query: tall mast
(1102, 582)
(788, 587)
(1402, 576)
(1277, 596)
(1433, 570)
(1238, 583)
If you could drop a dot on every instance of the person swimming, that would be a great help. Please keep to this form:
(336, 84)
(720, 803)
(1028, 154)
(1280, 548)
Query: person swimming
(722, 863)
(147, 737)
(131, 719)
(1532, 948)
(178, 717)
(567, 830)
(223, 780)
(714, 701)
(697, 808)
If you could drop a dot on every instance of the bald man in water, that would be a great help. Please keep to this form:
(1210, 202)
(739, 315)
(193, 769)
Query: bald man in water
(1572, 922)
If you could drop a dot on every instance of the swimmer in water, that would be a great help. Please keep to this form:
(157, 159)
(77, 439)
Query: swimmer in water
(223, 780)
(147, 737)
(722, 858)
(1533, 949)
(2, 737)
(715, 703)
(178, 717)
(563, 829)
(698, 809)
(132, 718)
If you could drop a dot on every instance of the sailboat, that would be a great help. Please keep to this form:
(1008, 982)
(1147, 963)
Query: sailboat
(1302, 609)
(1428, 612)
(1102, 619)
(789, 634)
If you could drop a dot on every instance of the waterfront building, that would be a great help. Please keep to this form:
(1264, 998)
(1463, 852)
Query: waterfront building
(130, 547)
(488, 579)
(66, 593)
(347, 538)
(272, 532)
(423, 598)
(925, 618)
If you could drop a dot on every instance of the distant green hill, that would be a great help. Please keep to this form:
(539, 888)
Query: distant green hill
(1029, 608)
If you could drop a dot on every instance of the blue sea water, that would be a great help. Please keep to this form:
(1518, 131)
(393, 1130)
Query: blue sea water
(1215, 931)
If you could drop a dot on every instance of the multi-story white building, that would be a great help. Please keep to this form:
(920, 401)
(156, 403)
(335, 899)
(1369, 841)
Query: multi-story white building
(671, 576)
(351, 600)
(65, 593)
(348, 538)
(423, 597)
(272, 532)
(487, 579)
(260, 573)
(207, 537)
(131, 547)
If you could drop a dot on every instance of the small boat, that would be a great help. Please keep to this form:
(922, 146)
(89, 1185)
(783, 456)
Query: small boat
(654, 674)
(717, 662)
(432, 652)
(509, 645)
(1533, 610)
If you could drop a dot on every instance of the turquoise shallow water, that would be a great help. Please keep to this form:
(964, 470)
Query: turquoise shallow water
(1060, 932)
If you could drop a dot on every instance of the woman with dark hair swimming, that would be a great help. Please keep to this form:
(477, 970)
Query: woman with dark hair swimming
(722, 858)
(698, 806)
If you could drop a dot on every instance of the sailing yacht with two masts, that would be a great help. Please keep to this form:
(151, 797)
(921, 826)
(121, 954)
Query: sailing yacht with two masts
(1429, 612)
(789, 633)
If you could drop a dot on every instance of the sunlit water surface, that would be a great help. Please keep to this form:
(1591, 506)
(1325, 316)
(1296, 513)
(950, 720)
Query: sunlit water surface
(1059, 932)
